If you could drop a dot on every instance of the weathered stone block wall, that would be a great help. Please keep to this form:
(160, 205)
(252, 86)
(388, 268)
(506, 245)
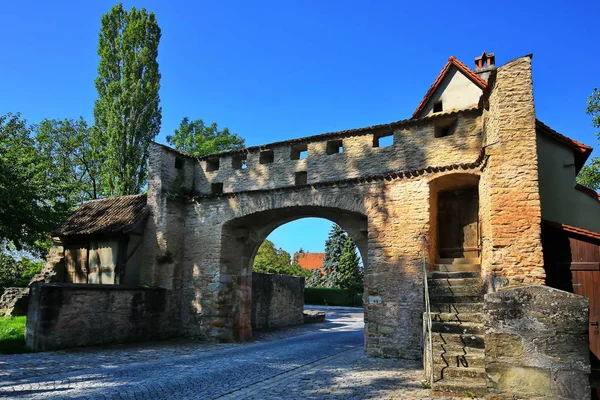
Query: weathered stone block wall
(415, 146)
(14, 301)
(277, 300)
(536, 344)
(63, 315)
(509, 194)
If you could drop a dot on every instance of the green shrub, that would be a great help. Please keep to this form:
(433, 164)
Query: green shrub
(333, 297)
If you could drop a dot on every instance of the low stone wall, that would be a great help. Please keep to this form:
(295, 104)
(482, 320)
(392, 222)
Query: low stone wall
(63, 315)
(277, 300)
(14, 301)
(536, 344)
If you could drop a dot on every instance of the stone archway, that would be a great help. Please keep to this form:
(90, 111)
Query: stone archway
(242, 236)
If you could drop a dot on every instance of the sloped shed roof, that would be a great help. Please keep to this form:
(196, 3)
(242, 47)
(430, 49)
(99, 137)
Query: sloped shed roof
(116, 215)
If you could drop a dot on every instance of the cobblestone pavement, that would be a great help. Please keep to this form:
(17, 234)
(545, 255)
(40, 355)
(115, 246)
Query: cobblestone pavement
(320, 361)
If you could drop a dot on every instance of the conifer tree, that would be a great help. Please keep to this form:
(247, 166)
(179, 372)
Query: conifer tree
(333, 251)
(350, 275)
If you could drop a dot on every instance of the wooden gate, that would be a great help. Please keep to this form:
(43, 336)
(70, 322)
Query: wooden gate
(458, 223)
(572, 263)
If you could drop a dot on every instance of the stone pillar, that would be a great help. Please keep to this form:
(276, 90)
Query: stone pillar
(509, 194)
(536, 344)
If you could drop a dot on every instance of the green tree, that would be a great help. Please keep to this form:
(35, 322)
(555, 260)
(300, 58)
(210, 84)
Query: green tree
(66, 146)
(198, 139)
(590, 173)
(350, 274)
(271, 260)
(32, 202)
(16, 273)
(333, 251)
(127, 112)
(314, 279)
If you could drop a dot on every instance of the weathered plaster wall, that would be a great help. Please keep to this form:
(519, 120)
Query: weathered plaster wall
(561, 202)
(277, 300)
(536, 344)
(509, 193)
(456, 92)
(63, 315)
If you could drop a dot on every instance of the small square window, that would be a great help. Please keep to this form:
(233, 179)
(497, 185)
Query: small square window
(266, 157)
(383, 140)
(239, 162)
(335, 147)
(216, 188)
(299, 151)
(179, 162)
(437, 107)
(445, 127)
(212, 164)
(301, 178)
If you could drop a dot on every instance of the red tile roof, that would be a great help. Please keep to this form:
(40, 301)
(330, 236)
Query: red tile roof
(592, 193)
(452, 61)
(574, 144)
(310, 261)
(573, 229)
(115, 215)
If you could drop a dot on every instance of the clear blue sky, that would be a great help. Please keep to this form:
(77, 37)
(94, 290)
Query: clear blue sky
(272, 70)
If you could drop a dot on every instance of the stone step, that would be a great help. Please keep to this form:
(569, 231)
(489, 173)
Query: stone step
(464, 387)
(459, 308)
(461, 372)
(452, 282)
(457, 261)
(457, 267)
(471, 290)
(469, 340)
(453, 275)
(457, 317)
(449, 360)
(458, 328)
(456, 299)
(457, 349)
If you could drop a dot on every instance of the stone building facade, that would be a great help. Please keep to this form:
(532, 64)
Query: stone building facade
(475, 133)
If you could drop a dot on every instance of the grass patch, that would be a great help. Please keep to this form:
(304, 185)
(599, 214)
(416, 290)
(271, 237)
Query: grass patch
(12, 335)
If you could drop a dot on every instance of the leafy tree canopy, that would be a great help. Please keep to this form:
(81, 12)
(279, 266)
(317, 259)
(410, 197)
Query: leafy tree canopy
(333, 251)
(127, 112)
(350, 274)
(590, 173)
(33, 197)
(271, 260)
(198, 139)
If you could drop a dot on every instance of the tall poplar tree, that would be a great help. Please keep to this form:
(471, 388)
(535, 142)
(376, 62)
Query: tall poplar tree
(350, 274)
(127, 112)
(590, 173)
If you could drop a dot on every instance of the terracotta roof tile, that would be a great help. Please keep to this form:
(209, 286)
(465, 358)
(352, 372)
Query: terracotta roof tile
(105, 216)
(452, 61)
(573, 229)
(310, 261)
(574, 144)
(592, 193)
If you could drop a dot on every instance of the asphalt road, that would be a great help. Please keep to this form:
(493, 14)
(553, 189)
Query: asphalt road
(317, 361)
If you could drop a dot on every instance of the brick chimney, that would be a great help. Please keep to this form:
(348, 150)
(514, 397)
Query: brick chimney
(484, 64)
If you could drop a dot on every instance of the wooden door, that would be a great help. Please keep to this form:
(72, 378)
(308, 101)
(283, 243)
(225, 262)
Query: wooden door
(458, 223)
(585, 269)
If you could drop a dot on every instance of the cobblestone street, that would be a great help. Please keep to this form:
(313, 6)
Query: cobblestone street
(320, 361)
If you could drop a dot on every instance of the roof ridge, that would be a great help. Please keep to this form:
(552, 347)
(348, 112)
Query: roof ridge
(452, 60)
(116, 197)
(583, 148)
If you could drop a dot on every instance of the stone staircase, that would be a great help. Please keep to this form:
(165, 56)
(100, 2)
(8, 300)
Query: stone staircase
(456, 294)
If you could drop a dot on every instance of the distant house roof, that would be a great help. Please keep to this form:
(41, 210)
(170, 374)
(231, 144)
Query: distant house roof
(310, 261)
(452, 61)
(115, 215)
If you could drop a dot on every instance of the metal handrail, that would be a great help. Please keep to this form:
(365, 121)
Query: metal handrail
(428, 313)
